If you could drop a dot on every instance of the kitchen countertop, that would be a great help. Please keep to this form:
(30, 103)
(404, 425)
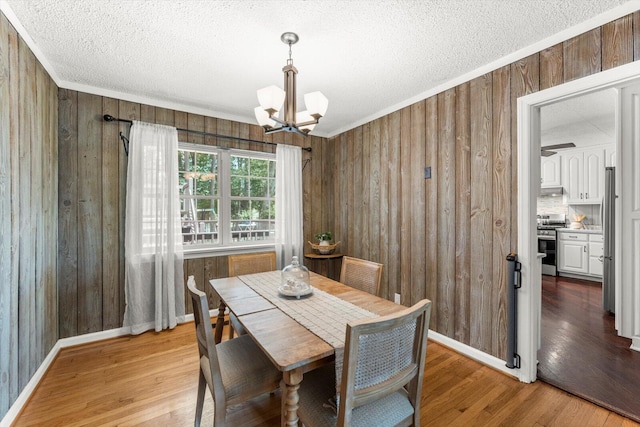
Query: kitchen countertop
(580, 230)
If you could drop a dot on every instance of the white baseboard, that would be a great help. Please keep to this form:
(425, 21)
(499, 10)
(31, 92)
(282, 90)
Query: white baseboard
(473, 353)
(635, 343)
(24, 396)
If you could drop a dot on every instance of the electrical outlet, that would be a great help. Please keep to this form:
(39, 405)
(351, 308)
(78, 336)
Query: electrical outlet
(427, 172)
(396, 298)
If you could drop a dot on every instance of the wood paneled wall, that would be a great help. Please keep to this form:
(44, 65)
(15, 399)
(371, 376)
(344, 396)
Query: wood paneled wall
(446, 238)
(28, 214)
(92, 181)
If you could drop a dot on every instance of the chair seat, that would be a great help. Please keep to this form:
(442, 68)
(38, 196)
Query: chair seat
(245, 369)
(319, 385)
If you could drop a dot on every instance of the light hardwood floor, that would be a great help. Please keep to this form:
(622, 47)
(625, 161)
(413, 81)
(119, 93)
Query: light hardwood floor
(151, 380)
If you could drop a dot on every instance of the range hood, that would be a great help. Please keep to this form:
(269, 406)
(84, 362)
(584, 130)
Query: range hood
(551, 191)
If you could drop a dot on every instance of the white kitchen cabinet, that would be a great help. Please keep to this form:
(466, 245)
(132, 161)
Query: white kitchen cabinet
(550, 171)
(583, 176)
(573, 252)
(580, 252)
(596, 254)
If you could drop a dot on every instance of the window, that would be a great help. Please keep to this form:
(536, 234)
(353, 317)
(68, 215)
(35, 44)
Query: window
(227, 197)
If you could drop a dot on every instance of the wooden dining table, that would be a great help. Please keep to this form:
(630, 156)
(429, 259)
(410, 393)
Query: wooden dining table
(291, 347)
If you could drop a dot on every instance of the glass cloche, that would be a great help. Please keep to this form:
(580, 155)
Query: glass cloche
(295, 279)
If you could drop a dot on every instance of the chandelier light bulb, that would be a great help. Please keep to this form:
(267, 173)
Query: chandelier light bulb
(316, 104)
(271, 98)
(303, 117)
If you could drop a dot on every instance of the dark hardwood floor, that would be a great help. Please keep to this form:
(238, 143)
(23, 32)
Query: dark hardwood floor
(581, 352)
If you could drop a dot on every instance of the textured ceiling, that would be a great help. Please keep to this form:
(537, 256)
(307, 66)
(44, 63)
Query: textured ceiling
(585, 120)
(209, 57)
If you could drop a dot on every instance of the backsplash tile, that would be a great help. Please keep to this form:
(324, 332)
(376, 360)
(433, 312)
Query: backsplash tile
(550, 205)
(591, 212)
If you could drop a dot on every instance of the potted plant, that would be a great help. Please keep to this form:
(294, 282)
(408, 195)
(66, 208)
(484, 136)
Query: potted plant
(323, 237)
(324, 245)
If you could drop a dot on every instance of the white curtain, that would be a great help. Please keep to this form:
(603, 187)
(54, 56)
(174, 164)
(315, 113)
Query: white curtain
(289, 238)
(154, 278)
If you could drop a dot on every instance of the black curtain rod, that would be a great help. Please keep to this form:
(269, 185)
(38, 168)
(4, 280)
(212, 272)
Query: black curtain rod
(109, 118)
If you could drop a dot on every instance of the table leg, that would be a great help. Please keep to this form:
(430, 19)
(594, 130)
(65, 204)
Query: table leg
(219, 323)
(290, 398)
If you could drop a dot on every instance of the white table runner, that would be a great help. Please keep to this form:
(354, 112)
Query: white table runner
(323, 314)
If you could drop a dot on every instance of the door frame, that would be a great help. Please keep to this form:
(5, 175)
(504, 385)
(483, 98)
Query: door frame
(529, 295)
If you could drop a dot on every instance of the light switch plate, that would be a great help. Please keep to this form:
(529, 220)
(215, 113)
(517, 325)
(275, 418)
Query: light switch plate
(427, 172)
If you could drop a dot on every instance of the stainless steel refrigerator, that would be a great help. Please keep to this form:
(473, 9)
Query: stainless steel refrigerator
(608, 230)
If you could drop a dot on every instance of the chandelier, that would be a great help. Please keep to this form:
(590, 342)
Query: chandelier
(272, 99)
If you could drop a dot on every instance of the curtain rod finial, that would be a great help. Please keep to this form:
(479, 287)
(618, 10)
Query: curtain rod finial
(108, 118)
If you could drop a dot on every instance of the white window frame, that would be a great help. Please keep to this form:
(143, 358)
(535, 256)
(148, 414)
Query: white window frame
(226, 245)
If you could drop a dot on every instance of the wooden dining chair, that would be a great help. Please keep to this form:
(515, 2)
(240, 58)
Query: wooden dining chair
(361, 274)
(248, 264)
(383, 369)
(234, 371)
(251, 263)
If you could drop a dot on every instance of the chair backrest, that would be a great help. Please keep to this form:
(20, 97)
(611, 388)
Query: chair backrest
(206, 343)
(381, 356)
(251, 263)
(361, 274)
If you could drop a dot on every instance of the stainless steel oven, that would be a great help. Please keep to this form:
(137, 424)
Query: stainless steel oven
(547, 244)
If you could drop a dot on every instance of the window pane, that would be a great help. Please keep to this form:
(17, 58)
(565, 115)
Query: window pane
(211, 175)
(183, 207)
(260, 208)
(203, 229)
(240, 220)
(259, 167)
(239, 165)
(182, 182)
(201, 175)
(207, 209)
(240, 209)
(182, 156)
(203, 162)
(239, 186)
(191, 156)
(272, 169)
(206, 188)
(262, 226)
(259, 187)
(272, 188)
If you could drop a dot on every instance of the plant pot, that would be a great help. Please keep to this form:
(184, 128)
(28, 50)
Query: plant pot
(325, 248)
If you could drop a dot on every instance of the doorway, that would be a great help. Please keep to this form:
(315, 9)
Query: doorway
(580, 350)
(529, 296)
